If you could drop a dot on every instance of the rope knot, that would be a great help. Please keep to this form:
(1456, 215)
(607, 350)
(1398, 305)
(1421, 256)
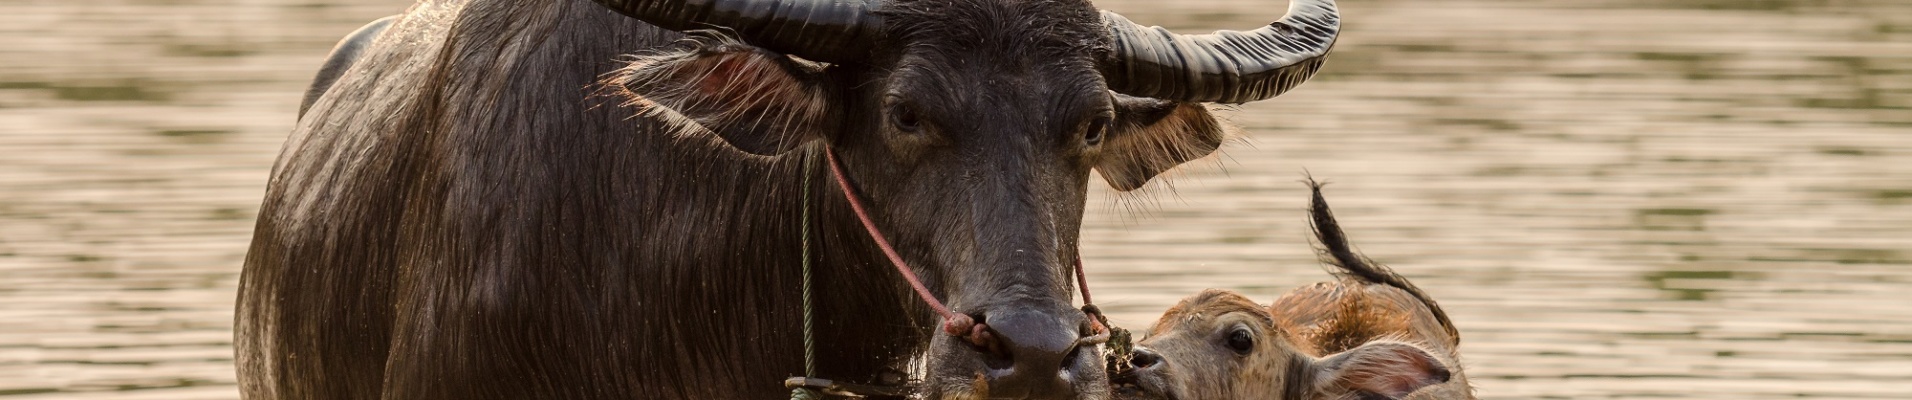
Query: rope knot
(958, 325)
(975, 333)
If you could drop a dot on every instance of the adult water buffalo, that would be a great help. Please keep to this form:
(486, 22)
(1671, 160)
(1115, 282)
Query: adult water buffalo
(491, 199)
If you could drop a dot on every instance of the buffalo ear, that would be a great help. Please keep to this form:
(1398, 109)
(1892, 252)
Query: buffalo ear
(1380, 370)
(1150, 136)
(759, 102)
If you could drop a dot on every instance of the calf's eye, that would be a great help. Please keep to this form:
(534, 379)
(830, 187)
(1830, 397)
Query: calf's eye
(1241, 340)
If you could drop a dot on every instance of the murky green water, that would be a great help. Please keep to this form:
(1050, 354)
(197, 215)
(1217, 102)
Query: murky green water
(1615, 198)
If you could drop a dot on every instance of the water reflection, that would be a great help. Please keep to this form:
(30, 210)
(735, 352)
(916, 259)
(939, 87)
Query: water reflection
(1689, 285)
(1615, 198)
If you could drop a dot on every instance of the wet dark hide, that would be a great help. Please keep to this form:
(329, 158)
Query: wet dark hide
(512, 200)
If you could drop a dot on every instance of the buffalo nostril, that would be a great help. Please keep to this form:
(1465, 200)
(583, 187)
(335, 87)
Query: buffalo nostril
(1143, 358)
(1039, 347)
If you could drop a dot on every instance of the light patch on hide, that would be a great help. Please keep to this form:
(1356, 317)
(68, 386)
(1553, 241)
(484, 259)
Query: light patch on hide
(758, 102)
(974, 388)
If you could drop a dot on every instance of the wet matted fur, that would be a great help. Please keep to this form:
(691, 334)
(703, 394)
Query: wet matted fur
(469, 212)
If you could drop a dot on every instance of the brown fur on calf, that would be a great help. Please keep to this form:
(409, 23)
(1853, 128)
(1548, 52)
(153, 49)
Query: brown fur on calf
(1334, 317)
(1371, 335)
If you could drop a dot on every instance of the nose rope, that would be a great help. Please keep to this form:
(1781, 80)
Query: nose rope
(856, 204)
(1098, 323)
(1082, 282)
(954, 324)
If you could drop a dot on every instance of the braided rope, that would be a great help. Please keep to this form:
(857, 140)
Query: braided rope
(804, 393)
(809, 331)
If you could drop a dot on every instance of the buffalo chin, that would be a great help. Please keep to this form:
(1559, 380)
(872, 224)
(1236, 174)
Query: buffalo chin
(956, 371)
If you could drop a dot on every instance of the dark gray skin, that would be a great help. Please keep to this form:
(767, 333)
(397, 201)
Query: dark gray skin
(473, 210)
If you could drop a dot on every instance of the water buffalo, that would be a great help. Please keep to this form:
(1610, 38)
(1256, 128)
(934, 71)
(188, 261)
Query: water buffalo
(1372, 335)
(570, 199)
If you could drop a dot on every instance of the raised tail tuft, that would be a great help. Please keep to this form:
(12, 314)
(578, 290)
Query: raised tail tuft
(1337, 252)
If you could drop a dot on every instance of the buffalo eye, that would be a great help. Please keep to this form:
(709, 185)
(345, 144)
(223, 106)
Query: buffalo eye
(1241, 340)
(1098, 127)
(905, 118)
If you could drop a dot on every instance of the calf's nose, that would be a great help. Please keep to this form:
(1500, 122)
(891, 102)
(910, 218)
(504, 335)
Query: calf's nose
(1143, 358)
(1040, 348)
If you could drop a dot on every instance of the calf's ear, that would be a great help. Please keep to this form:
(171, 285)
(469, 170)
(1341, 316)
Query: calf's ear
(1379, 370)
(1149, 136)
(757, 101)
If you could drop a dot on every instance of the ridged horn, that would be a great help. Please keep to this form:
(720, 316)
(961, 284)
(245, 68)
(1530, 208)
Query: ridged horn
(1225, 66)
(835, 31)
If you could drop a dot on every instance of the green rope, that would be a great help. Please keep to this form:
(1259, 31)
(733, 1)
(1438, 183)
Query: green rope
(809, 340)
(805, 394)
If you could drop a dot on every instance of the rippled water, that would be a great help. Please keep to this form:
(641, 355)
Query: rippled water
(1614, 198)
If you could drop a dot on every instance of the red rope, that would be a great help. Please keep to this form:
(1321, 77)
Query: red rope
(1082, 282)
(1098, 323)
(955, 324)
(960, 325)
(864, 215)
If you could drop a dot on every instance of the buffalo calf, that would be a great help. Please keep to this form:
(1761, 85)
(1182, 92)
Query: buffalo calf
(1370, 335)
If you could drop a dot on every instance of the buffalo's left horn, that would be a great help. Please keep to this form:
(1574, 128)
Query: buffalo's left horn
(1225, 66)
(835, 31)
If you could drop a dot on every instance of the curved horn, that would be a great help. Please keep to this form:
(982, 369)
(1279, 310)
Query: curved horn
(833, 31)
(1225, 66)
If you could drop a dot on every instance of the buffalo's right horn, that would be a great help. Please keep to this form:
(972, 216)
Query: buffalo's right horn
(1225, 66)
(834, 31)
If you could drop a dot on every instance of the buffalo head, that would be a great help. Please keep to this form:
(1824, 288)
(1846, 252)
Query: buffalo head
(971, 127)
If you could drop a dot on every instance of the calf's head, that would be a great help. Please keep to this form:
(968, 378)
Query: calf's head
(1220, 345)
(971, 128)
